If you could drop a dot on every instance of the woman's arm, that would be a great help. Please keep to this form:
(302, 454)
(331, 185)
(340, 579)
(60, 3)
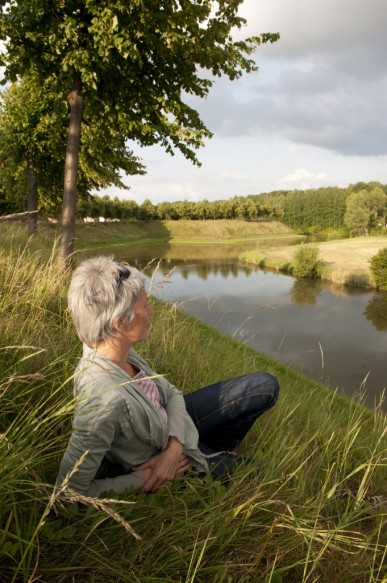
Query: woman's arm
(93, 434)
(134, 480)
(165, 466)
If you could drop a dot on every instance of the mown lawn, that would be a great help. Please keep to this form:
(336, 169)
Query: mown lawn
(346, 260)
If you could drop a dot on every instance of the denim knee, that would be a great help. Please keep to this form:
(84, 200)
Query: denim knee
(267, 384)
(273, 383)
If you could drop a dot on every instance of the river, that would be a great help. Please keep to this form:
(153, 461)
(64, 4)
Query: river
(332, 334)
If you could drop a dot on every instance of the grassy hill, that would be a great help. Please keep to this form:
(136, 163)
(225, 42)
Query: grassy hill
(95, 234)
(302, 512)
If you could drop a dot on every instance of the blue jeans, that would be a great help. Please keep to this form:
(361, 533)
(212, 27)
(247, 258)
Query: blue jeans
(224, 412)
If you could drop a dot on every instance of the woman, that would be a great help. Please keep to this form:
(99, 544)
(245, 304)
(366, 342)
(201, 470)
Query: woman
(132, 428)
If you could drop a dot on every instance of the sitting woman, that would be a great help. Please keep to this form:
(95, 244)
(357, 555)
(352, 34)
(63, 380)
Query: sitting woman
(132, 428)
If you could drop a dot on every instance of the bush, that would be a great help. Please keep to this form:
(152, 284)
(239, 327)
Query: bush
(340, 233)
(379, 268)
(306, 261)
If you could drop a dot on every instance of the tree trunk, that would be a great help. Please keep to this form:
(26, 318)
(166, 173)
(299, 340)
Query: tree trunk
(76, 101)
(32, 198)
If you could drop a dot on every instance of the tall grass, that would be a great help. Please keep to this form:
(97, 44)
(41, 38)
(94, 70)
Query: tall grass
(300, 513)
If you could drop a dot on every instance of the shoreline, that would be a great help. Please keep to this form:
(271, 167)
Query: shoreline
(345, 261)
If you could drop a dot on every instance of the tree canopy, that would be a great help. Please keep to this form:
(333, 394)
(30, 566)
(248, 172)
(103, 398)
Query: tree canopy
(365, 209)
(133, 63)
(143, 57)
(33, 130)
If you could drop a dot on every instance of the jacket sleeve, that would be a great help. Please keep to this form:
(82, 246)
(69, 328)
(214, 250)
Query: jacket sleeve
(177, 412)
(92, 438)
(134, 480)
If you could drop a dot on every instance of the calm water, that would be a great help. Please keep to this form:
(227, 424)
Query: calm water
(333, 334)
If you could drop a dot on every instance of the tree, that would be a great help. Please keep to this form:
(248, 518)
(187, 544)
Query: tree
(186, 210)
(132, 62)
(377, 205)
(130, 209)
(203, 209)
(357, 216)
(376, 311)
(147, 210)
(166, 211)
(33, 128)
(378, 266)
(364, 210)
(32, 134)
(8, 205)
(306, 262)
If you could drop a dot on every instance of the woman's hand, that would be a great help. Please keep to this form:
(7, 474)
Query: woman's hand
(165, 466)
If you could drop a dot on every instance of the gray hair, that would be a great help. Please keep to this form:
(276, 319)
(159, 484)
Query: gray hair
(102, 292)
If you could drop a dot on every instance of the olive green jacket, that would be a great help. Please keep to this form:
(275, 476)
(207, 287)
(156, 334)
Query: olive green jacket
(116, 420)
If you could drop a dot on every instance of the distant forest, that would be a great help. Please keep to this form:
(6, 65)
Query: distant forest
(357, 208)
(302, 210)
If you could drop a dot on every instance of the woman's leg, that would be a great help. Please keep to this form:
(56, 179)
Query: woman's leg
(221, 463)
(224, 412)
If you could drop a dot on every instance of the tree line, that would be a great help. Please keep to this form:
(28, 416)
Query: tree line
(244, 208)
(356, 209)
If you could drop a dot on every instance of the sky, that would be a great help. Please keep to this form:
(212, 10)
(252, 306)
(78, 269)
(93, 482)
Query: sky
(314, 115)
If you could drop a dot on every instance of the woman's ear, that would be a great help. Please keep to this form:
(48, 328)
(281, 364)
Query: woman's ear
(121, 326)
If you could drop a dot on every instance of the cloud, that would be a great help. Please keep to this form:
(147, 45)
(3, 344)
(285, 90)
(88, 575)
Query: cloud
(321, 107)
(337, 115)
(303, 179)
(171, 191)
(232, 175)
(323, 27)
(323, 84)
(315, 114)
(298, 174)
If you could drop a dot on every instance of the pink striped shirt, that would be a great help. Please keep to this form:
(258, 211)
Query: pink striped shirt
(149, 387)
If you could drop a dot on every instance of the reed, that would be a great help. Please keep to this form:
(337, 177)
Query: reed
(302, 512)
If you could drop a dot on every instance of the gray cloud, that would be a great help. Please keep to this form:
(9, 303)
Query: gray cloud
(320, 27)
(323, 84)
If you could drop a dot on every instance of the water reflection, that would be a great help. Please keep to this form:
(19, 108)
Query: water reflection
(218, 251)
(376, 311)
(204, 269)
(305, 292)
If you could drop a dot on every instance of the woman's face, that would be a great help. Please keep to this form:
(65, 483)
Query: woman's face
(139, 327)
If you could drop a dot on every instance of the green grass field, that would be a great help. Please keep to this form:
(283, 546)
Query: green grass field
(301, 513)
(176, 230)
(346, 262)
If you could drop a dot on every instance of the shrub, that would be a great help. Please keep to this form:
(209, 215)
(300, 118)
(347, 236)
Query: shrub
(340, 233)
(379, 268)
(306, 261)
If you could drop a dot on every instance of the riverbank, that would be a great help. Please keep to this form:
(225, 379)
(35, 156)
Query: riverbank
(318, 457)
(346, 261)
(195, 231)
(101, 234)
